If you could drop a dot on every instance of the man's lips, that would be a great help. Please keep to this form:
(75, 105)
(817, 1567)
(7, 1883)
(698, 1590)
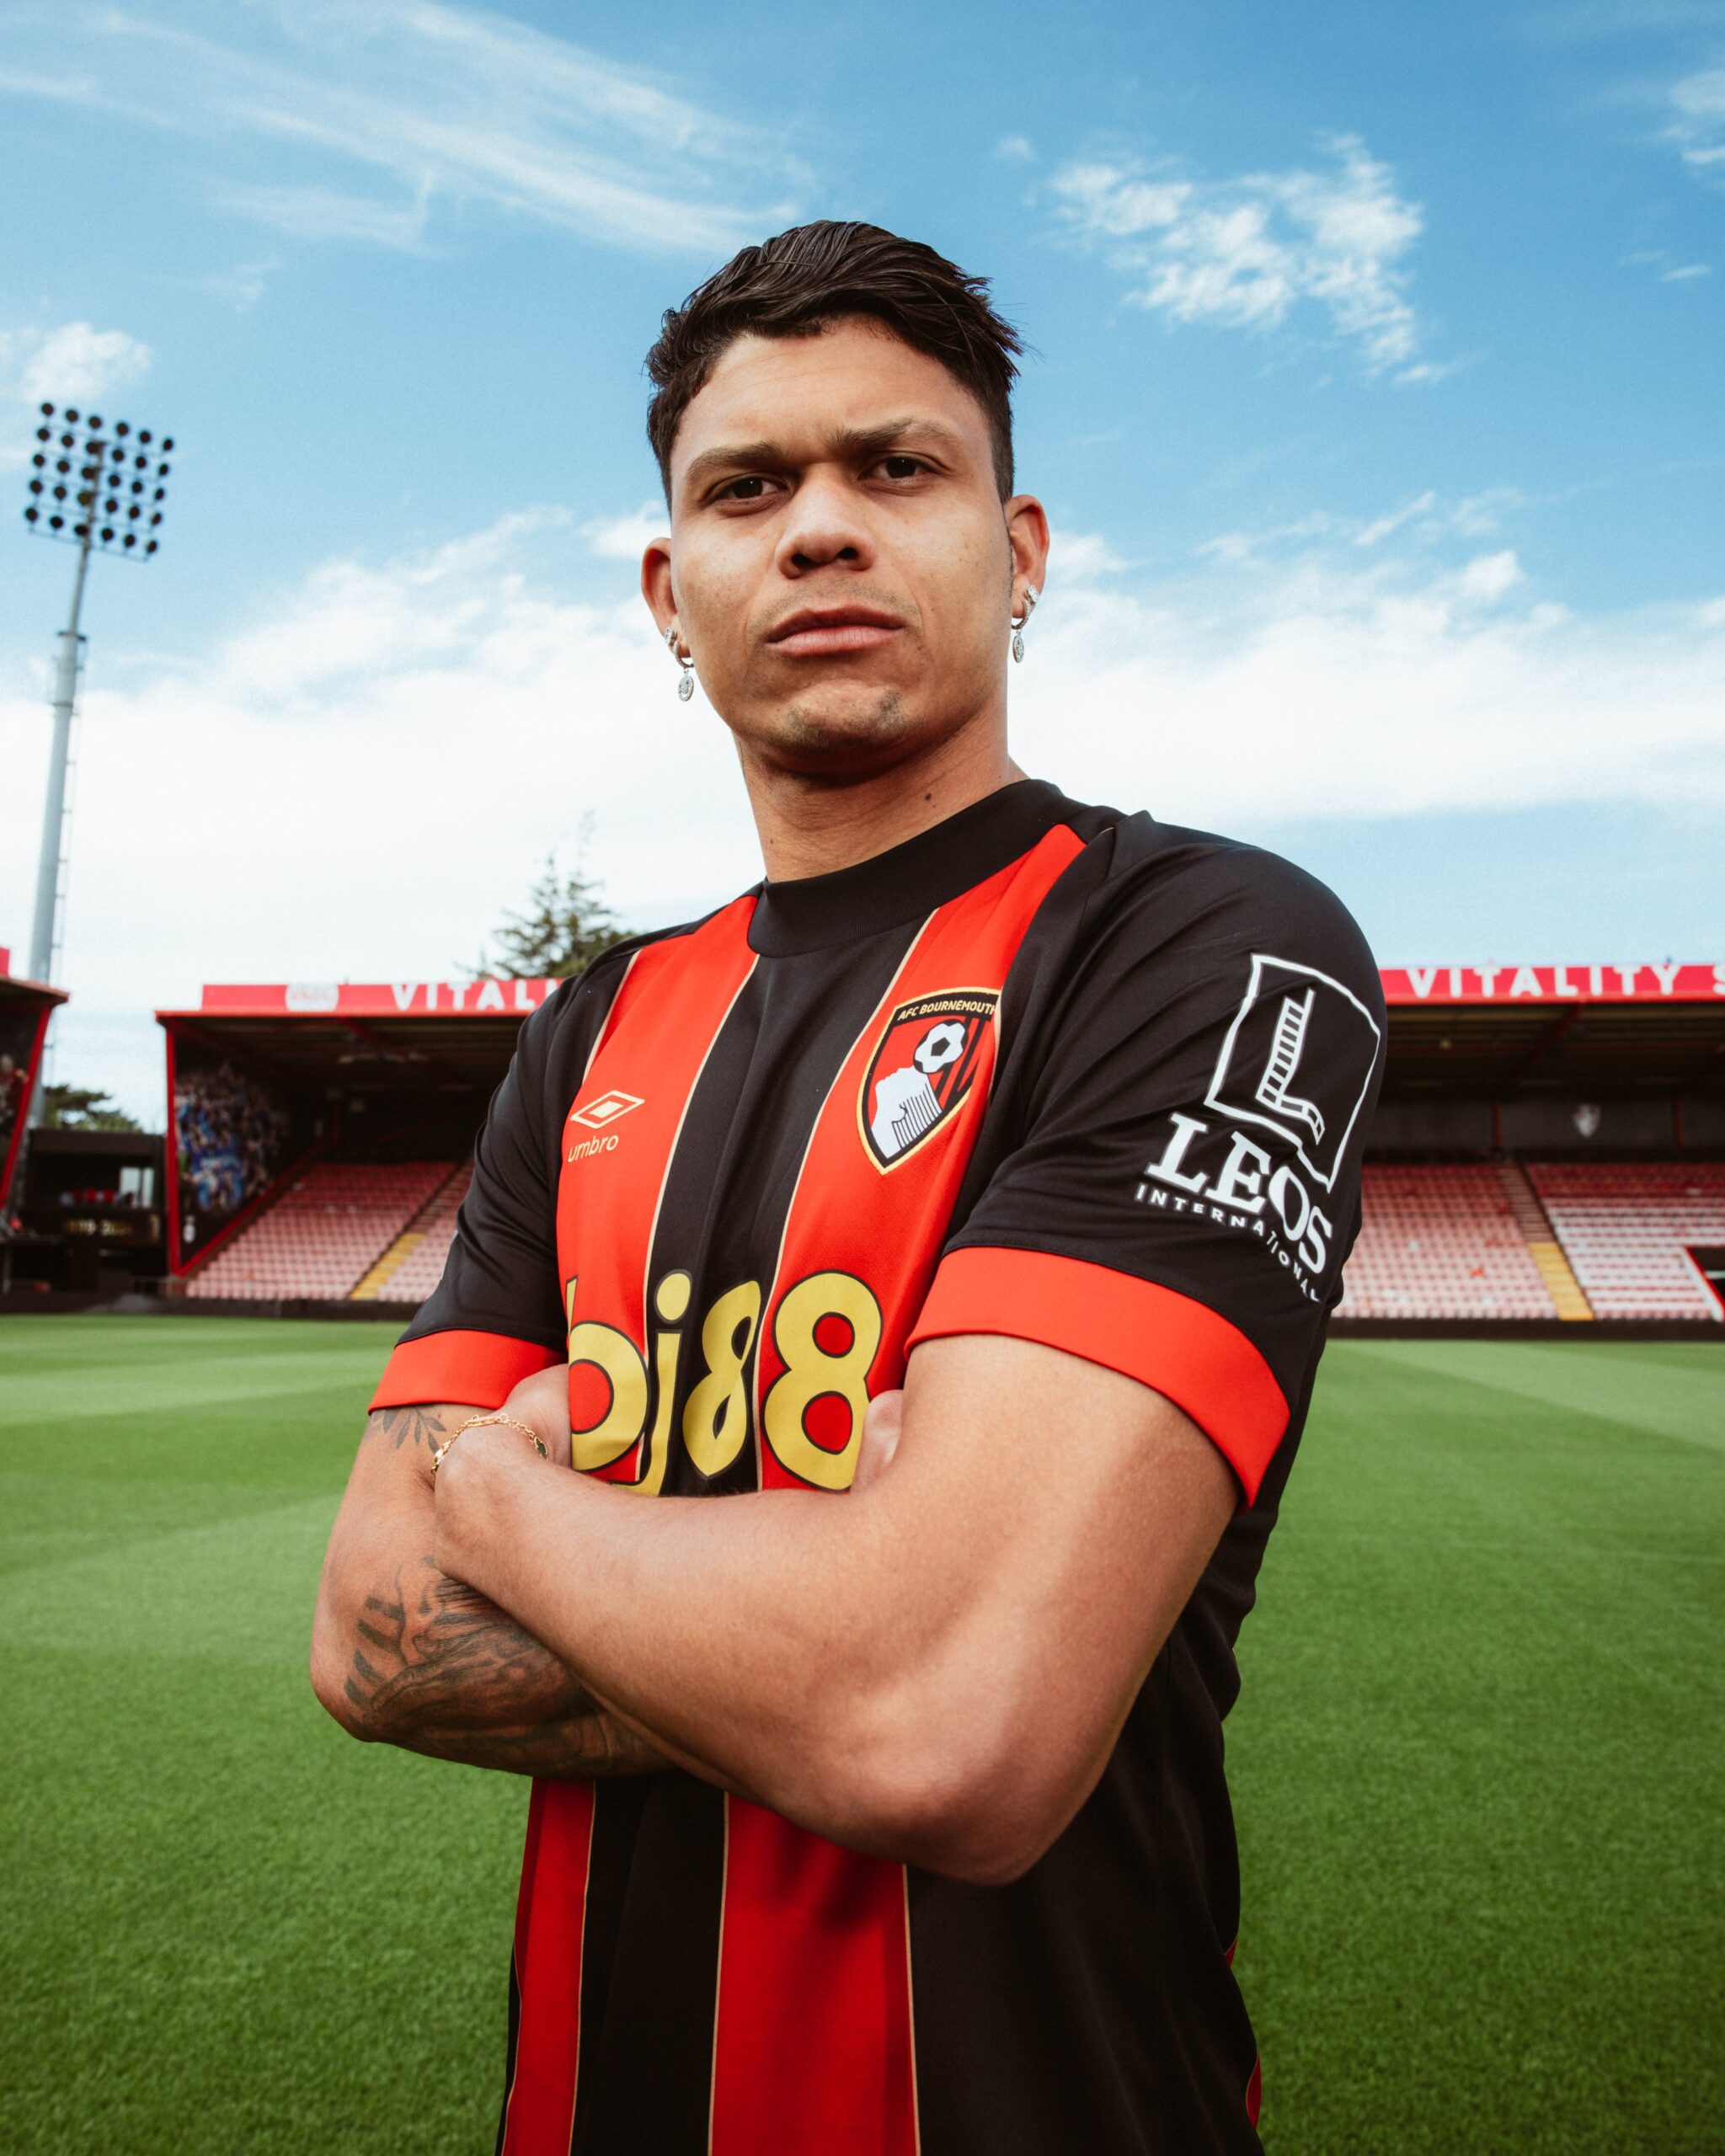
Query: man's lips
(824, 631)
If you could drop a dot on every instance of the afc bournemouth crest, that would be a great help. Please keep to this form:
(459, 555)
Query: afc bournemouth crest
(922, 1069)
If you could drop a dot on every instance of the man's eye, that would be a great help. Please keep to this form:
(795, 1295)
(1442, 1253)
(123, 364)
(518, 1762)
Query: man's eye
(749, 489)
(901, 467)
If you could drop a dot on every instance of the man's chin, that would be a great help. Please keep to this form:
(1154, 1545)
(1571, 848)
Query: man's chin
(843, 735)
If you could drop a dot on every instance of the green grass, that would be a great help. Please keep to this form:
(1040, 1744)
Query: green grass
(1478, 1765)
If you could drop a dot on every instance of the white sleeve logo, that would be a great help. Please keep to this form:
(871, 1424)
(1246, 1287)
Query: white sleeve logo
(1298, 1060)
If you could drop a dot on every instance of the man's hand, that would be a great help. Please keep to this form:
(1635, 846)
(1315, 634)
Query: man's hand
(881, 1427)
(541, 1402)
(402, 1654)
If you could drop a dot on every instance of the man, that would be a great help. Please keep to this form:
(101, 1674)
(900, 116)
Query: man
(993, 1163)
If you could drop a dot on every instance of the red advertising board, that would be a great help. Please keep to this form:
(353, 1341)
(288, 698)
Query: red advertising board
(1649, 981)
(386, 999)
(1664, 981)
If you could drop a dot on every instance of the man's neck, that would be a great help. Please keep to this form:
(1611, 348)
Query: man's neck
(809, 825)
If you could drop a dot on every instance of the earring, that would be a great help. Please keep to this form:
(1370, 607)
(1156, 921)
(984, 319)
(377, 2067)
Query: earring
(685, 679)
(1031, 596)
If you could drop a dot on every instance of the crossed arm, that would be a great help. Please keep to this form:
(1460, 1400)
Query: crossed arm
(403, 1654)
(934, 1667)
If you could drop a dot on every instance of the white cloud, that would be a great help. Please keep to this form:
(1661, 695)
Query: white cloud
(327, 213)
(1247, 253)
(1380, 527)
(359, 782)
(1423, 520)
(287, 803)
(435, 103)
(1698, 125)
(1015, 150)
(1249, 694)
(626, 538)
(74, 363)
(1078, 557)
(1684, 271)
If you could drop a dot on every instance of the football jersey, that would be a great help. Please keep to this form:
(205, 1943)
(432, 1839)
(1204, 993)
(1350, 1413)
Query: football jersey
(1046, 1071)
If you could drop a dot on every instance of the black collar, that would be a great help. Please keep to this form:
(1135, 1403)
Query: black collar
(811, 913)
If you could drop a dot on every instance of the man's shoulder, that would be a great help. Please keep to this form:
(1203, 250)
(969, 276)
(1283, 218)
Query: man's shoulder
(1189, 895)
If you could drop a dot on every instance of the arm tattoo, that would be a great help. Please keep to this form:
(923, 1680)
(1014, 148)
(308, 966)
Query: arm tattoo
(410, 1425)
(440, 1670)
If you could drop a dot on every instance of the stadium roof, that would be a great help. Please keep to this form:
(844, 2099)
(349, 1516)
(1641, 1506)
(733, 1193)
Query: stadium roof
(14, 989)
(1586, 1028)
(1592, 1029)
(455, 1033)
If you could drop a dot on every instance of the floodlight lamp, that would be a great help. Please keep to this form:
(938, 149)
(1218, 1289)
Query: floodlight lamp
(71, 416)
(122, 430)
(144, 435)
(47, 411)
(151, 548)
(131, 538)
(94, 420)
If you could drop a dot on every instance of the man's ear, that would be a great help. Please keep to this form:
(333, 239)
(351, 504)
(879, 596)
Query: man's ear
(1026, 534)
(656, 585)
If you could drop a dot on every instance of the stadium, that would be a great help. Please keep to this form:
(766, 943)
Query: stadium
(1514, 1454)
(1548, 1152)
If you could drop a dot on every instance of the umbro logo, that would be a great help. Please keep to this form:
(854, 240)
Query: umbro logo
(601, 1114)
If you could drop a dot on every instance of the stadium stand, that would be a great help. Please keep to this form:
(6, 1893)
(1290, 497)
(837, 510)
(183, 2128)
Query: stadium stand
(320, 1237)
(1441, 1241)
(1630, 1228)
(412, 1265)
(1548, 1143)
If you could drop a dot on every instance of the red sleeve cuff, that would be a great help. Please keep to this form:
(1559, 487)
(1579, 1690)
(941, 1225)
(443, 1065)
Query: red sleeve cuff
(1180, 1348)
(472, 1369)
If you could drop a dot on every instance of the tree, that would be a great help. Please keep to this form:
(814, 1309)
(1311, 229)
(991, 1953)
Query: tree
(76, 1108)
(563, 928)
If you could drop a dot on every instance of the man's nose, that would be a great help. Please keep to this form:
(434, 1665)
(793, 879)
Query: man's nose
(826, 528)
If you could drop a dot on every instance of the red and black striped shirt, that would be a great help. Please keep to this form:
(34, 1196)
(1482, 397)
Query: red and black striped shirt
(1044, 1070)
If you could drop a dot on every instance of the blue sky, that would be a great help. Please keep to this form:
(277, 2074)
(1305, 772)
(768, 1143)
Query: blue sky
(1376, 403)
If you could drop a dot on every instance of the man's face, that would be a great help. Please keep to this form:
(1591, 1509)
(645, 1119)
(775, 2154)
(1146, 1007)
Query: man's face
(840, 565)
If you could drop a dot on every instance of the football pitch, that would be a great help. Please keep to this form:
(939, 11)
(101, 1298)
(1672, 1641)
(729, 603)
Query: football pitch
(1479, 1765)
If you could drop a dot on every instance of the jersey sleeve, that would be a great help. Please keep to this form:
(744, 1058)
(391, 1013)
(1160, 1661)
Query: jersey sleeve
(494, 1317)
(1185, 1183)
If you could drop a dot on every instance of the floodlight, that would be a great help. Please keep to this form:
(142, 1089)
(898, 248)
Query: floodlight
(92, 501)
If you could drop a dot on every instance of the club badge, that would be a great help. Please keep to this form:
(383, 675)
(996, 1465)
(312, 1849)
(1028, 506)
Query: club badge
(922, 1069)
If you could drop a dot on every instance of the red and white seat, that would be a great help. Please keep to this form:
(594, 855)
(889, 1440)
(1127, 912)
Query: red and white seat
(1440, 1241)
(319, 1238)
(422, 1268)
(1627, 1228)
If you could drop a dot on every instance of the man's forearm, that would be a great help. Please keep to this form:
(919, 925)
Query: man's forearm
(405, 1656)
(438, 1669)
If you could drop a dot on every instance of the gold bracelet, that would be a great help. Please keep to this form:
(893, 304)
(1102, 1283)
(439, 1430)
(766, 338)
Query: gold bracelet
(474, 1423)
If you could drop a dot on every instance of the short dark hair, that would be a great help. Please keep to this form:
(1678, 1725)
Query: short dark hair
(799, 283)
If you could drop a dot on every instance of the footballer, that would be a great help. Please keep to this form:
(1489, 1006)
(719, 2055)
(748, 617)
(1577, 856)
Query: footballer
(963, 1206)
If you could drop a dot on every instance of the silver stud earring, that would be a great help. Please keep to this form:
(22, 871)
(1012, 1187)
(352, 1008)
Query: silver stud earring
(686, 678)
(1031, 596)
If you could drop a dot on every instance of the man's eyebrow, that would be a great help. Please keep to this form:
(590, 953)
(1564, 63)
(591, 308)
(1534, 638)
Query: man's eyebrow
(854, 444)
